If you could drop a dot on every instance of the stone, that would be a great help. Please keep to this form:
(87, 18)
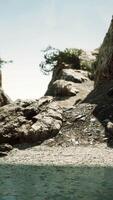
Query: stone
(110, 92)
(109, 128)
(63, 88)
(31, 121)
(5, 147)
(4, 99)
(104, 67)
(2, 154)
(0, 79)
(75, 76)
(92, 120)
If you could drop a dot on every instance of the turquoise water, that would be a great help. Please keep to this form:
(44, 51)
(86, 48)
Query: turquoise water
(20, 182)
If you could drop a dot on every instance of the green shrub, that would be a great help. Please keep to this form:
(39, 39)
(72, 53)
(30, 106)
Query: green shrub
(55, 57)
(75, 58)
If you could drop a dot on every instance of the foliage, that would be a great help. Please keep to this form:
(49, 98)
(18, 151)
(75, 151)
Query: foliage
(55, 57)
(76, 58)
(2, 62)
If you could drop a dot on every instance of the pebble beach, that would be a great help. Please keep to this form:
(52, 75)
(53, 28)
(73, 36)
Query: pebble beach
(98, 155)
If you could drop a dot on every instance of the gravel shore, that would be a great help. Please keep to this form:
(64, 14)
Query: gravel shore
(99, 155)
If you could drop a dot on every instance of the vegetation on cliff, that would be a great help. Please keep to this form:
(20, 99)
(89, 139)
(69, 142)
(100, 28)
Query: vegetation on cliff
(76, 58)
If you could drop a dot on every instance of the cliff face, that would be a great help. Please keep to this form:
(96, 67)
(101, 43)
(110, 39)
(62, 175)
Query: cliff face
(105, 58)
(0, 79)
(72, 112)
(69, 86)
(53, 117)
(4, 99)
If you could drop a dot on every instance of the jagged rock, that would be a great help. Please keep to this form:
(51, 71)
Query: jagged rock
(62, 88)
(79, 128)
(4, 99)
(109, 129)
(69, 86)
(0, 79)
(104, 68)
(5, 147)
(42, 101)
(110, 92)
(2, 153)
(67, 82)
(48, 121)
(30, 121)
(76, 76)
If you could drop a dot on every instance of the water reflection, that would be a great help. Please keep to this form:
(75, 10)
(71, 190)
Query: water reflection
(20, 182)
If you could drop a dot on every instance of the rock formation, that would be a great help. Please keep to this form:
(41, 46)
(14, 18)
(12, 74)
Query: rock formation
(104, 68)
(68, 85)
(36, 121)
(63, 77)
(4, 99)
(30, 121)
(72, 112)
(0, 79)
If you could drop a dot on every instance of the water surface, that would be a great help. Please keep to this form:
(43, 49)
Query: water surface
(21, 182)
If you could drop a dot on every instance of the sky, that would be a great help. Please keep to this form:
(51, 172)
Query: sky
(29, 26)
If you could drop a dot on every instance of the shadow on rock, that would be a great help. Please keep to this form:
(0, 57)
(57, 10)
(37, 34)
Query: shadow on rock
(102, 98)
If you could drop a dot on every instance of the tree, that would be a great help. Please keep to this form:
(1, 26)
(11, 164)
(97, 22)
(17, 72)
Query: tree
(75, 58)
(55, 57)
(2, 62)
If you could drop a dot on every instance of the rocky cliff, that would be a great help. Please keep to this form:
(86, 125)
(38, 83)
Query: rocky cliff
(4, 99)
(104, 68)
(72, 112)
(68, 85)
(0, 79)
(59, 118)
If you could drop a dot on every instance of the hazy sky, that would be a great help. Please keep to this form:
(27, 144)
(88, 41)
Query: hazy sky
(28, 26)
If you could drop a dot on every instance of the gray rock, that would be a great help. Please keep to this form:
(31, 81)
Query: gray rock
(63, 88)
(5, 147)
(0, 79)
(104, 68)
(75, 76)
(3, 153)
(30, 121)
(110, 92)
(109, 129)
(4, 99)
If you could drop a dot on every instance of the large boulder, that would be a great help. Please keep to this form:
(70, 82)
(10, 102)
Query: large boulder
(104, 68)
(64, 80)
(4, 99)
(69, 86)
(62, 88)
(30, 121)
(76, 76)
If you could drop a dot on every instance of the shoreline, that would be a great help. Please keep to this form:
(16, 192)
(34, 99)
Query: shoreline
(98, 155)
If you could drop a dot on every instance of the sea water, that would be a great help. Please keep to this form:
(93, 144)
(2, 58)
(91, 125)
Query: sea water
(27, 182)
